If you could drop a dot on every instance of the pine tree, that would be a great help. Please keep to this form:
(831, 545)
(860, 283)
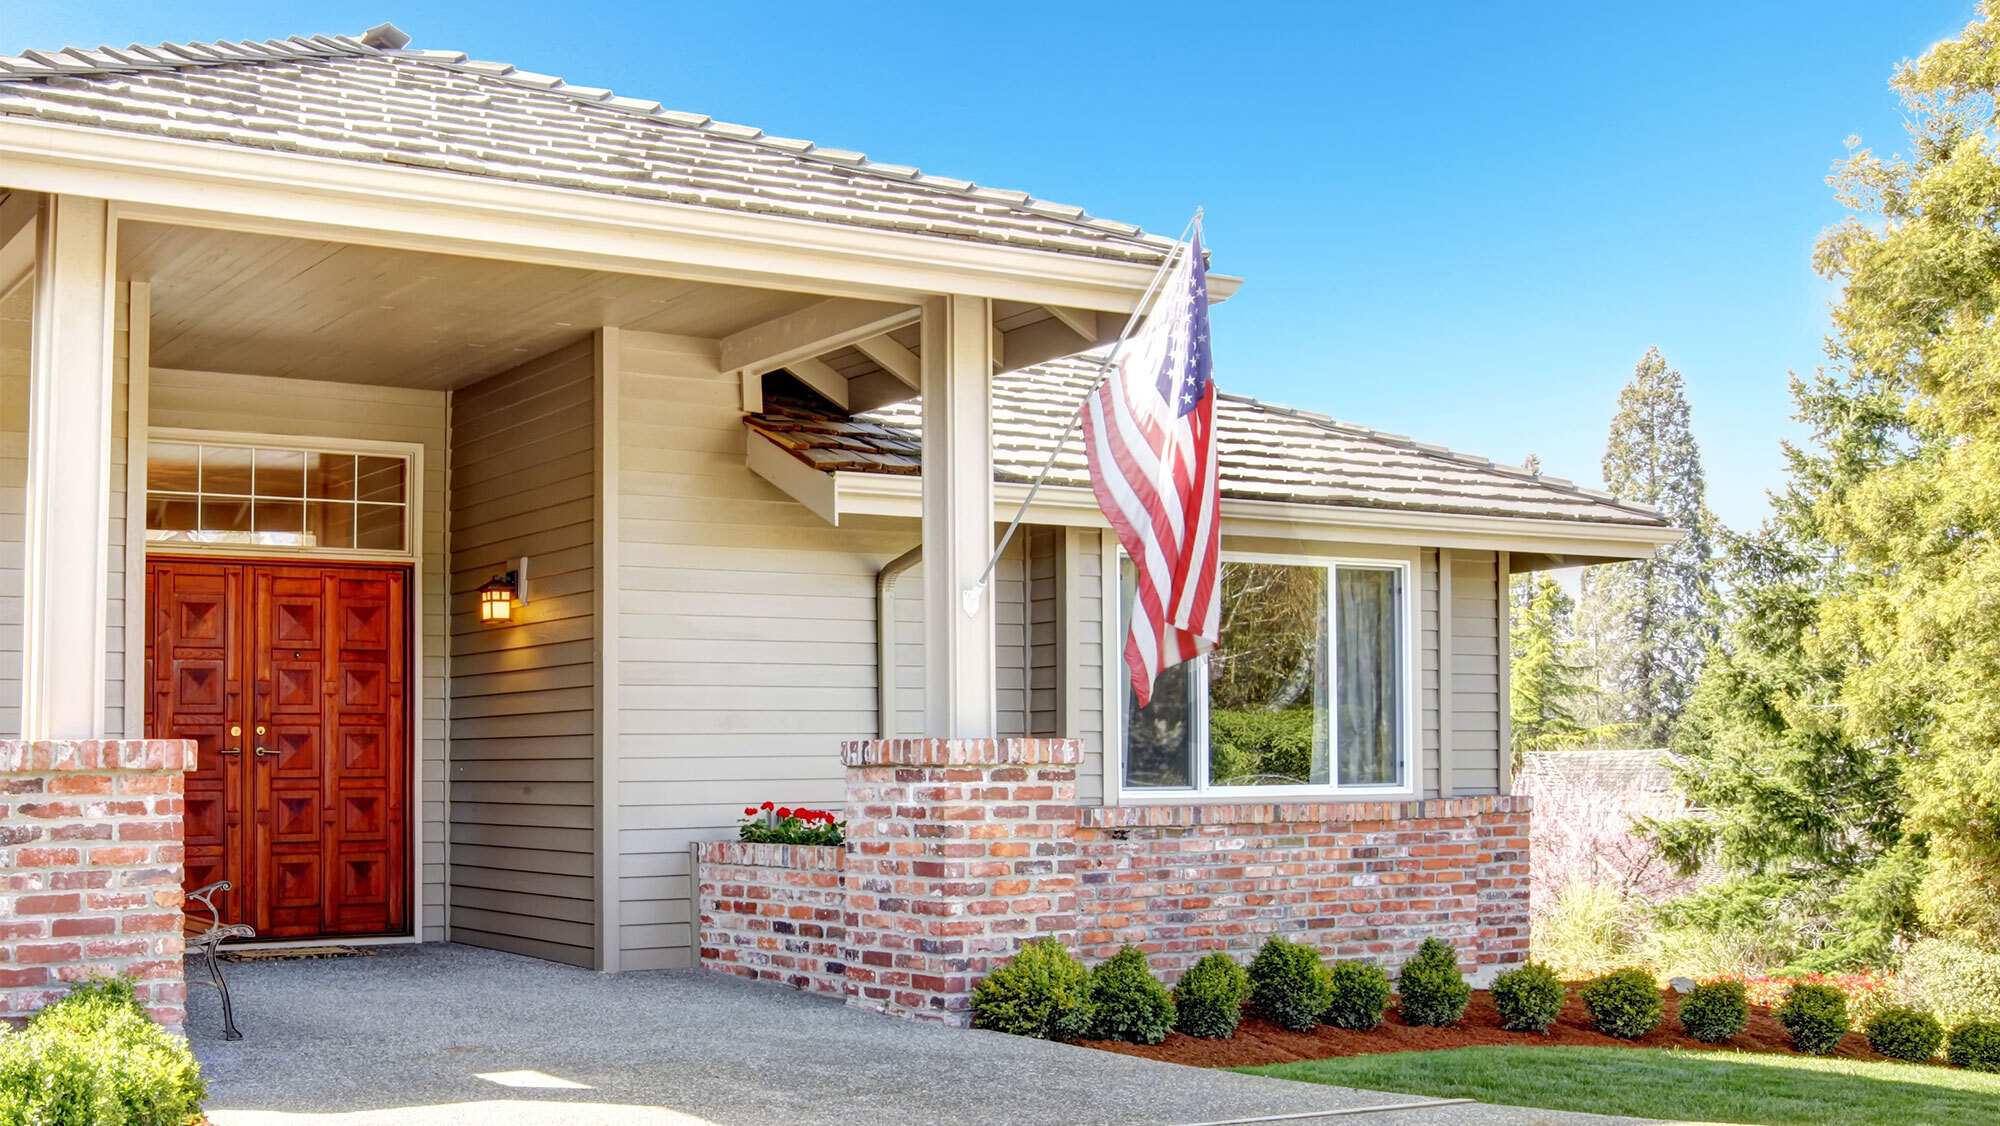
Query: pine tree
(1647, 625)
(1800, 828)
(1547, 684)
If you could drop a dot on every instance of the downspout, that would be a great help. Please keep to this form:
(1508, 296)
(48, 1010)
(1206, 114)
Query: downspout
(885, 639)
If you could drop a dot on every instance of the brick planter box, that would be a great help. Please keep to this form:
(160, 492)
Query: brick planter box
(1367, 880)
(959, 851)
(90, 844)
(773, 913)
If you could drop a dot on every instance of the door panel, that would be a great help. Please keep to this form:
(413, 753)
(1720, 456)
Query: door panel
(304, 813)
(193, 661)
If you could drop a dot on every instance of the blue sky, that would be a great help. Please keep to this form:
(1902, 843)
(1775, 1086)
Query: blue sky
(1463, 222)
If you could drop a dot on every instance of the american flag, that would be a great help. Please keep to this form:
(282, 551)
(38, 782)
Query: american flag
(1149, 431)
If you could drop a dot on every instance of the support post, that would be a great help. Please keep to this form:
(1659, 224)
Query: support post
(959, 688)
(69, 472)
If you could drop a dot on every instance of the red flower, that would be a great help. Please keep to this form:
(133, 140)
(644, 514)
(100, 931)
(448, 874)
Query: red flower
(783, 813)
(750, 812)
(766, 805)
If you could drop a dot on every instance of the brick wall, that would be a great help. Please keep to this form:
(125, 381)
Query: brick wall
(90, 844)
(1367, 880)
(959, 850)
(773, 913)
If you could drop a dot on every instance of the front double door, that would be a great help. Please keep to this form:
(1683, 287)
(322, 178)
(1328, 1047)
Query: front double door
(291, 680)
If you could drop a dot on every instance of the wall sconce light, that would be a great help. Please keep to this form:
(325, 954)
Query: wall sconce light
(501, 592)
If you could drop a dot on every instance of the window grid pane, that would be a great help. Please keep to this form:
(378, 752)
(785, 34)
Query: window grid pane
(276, 497)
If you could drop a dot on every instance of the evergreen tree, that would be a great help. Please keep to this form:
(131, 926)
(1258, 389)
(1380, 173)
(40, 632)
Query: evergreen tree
(1918, 327)
(1800, 825)
(1547, 684)
(1647, 624)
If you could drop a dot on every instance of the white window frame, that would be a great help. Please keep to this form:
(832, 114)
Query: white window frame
(413, 458)
(1403, 561)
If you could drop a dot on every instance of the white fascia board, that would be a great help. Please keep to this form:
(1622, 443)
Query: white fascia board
(878, 494)
(227, 187)
(793, 477)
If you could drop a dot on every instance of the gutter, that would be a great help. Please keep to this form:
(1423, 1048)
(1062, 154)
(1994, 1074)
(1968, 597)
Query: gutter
(885, 639)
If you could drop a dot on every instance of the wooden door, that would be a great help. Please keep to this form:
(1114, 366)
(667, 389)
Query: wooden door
(303, 797)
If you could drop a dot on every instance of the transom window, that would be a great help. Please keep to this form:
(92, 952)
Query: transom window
(264, 496)
(1306, 691)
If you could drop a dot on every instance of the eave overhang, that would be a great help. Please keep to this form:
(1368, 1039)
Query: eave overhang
(171, 180)
(1535, 543)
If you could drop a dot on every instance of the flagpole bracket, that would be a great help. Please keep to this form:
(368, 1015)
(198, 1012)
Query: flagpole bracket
(971, 597)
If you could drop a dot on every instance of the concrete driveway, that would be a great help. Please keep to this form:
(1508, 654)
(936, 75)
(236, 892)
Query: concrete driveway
(447, 1035)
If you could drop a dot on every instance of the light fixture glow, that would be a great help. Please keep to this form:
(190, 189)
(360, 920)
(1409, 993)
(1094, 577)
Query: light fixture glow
(501, 592)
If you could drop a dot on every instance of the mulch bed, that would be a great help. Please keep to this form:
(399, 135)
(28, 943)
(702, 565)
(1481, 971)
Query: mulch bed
(1258, 1041)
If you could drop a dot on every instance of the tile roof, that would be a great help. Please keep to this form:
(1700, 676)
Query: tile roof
(1269, 452)
(342, 98)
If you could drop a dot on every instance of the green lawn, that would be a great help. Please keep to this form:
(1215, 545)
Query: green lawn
(1770, 1090)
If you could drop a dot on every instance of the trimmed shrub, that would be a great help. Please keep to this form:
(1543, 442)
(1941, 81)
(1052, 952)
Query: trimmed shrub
(1288, 984)
(1974, 1046)
(1903, 1033)
(95, 1057)
(1954, 981)
(1816, 1016)
(1039, 993)
(1625, 1004)
(1360, 996)
(1126, 1002)
(1529, 998)
(1431, 990)
(1208, 1000)
(1715, 1010)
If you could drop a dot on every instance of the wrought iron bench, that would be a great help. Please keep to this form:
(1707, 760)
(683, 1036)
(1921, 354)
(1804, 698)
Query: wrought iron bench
(213, 937)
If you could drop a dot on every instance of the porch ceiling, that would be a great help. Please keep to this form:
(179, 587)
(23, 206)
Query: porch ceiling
(307, 309)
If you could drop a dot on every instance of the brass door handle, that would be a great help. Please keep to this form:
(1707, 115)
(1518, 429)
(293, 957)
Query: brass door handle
(230, 751)
(235, 732)
(266, 751)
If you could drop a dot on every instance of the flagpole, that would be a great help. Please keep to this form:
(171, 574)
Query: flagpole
(971, 596)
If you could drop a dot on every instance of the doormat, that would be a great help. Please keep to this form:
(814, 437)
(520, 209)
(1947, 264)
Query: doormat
(294, 954)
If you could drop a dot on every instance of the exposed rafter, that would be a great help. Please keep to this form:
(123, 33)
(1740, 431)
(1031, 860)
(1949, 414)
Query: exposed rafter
(811, 332)
(890, 357)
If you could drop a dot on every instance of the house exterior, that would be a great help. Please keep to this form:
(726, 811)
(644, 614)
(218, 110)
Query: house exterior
(310, 347)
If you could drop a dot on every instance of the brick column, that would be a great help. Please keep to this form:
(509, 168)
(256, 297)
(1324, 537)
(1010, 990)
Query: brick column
(1503, 881)
(959, 851)
(90, 844)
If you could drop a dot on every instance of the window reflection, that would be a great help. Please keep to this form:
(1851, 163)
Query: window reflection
(276, 497)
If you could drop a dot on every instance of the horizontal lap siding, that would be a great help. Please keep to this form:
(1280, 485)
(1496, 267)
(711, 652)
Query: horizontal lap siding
(15, 334)
(747, 636)
(304, 409)
(1084, 592)
(1044, 604)
(114, 587)
(1475, 673)
(1427, 669)
(523, 752)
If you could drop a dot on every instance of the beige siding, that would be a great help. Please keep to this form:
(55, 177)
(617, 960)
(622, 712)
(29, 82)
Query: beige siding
(114, 602)
(747, 635)
(1475, 673)
(1009, 594)
(1082, 593)
(297, 408)
(1427, 668)
(522, 746)
(15, 332)
(1044, 606)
